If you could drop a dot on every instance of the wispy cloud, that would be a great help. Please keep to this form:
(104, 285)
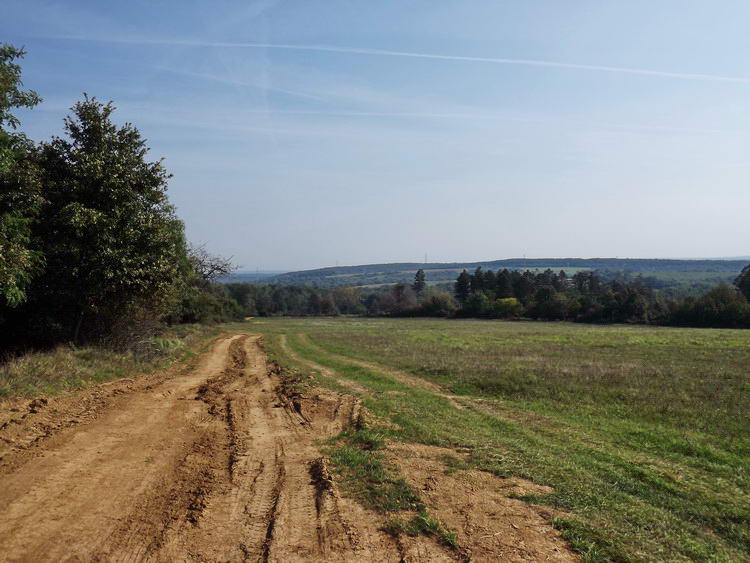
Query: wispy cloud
(410, 54)
(236, 82)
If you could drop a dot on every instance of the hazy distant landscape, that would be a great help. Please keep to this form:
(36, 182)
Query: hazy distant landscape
(688, 275)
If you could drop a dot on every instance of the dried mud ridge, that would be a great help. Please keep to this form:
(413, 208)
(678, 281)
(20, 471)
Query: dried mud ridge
(215, 462)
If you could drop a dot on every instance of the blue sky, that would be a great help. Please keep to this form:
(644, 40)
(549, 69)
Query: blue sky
(308, 133)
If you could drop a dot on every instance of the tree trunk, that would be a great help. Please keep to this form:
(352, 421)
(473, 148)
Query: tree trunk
(77, 330)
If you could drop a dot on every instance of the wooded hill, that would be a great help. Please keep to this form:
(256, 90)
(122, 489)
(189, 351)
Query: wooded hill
(685, 274)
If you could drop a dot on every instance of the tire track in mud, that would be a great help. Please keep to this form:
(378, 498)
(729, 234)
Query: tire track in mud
(105, 489)
(214, 465)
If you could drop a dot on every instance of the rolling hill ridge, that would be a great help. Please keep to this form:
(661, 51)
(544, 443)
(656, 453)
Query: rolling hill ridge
(708, 271)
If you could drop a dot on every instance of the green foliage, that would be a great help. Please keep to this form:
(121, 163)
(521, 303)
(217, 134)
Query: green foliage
(419, 284)
(506, 308)
(11, 94)
(477, 304)
(205, 302)
(589, 297)
(110, 238)
(437, 303)
(723, 306)
(90, 247)
(550, 304)
(462, 288)
(20, 197)
(743, 282)
(279, 300)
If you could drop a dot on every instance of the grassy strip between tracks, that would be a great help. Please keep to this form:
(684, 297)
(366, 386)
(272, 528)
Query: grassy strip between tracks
(356, 456)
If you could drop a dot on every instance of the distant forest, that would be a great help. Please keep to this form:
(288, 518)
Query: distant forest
(669, 277)
(510, 294)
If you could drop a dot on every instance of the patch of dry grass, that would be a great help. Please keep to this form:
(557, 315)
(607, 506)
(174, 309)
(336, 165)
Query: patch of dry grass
(65, 367)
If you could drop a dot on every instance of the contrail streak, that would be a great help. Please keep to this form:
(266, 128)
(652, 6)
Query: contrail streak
(410, 54)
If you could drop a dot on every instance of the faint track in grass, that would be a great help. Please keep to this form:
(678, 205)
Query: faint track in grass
(493, 407)
(324, 371)
(400, 376)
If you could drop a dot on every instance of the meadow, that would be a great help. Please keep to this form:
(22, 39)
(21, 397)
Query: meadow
(642, 432)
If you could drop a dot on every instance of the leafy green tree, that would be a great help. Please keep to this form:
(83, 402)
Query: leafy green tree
(489, 282)
(507, 307)
(524, 286)
(419, 282)
(477, 280)
(20, 190)
(549, 304)
(11, 94)
(328, 305)
(462, 289)
(111, 238)
(723, 306)
(503, 285)
(404, 298)
(743, 282)
(478, 305)
(348, 300)
(437, 303)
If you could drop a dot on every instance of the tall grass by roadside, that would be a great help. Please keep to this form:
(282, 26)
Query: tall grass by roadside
(65, 367)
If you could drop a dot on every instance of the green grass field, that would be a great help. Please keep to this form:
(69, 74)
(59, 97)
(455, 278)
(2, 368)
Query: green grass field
(642, 432)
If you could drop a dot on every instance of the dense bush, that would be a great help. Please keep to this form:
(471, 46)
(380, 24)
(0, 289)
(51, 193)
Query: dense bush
(279, 300)
(723, 306)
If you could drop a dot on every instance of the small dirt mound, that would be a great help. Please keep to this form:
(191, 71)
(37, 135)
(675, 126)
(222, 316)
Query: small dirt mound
(475, 505)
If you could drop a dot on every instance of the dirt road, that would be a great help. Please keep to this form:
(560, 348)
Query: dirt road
(212, 465)
(216, 462)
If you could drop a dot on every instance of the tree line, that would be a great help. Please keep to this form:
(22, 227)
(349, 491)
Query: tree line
(589, 297)
(291, 300)
(506, 294)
